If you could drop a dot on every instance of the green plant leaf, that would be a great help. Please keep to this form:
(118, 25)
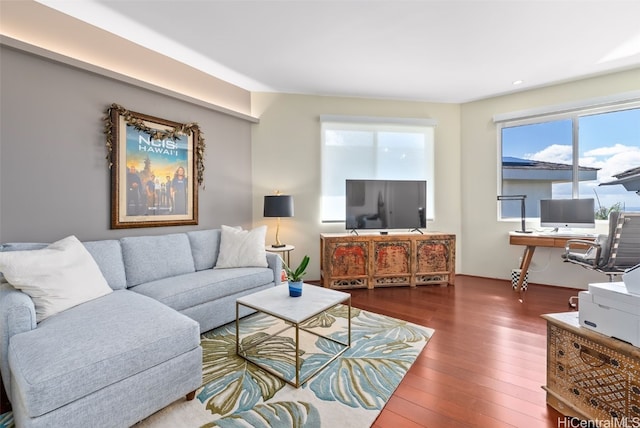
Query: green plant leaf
(275, 352)
(394, 329)
(280, 414)
(327, 318)
(296, 275)
(365, 375)
(232, 383)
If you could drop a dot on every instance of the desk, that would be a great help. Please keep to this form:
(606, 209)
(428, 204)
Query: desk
(533, 240)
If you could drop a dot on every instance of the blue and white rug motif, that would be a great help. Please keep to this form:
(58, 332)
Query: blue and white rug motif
(349, 392)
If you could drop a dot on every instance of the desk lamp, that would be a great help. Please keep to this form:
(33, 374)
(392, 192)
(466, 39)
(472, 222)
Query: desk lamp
(278, 206)
(520, 198)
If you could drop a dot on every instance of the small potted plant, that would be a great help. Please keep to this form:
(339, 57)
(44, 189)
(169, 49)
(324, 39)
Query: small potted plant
(294, 277)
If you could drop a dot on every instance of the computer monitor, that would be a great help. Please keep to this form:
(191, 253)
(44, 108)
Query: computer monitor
(567, 213)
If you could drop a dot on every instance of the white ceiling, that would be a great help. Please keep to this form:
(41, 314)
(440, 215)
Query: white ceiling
(441, 51)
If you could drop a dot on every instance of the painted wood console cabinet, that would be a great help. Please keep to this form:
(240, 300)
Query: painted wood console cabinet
(397, 259)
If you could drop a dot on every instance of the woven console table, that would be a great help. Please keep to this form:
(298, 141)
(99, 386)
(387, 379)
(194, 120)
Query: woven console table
(591, 376)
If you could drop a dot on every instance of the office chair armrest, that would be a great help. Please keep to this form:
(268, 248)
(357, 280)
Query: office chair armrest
(582, 243)
(591, 254)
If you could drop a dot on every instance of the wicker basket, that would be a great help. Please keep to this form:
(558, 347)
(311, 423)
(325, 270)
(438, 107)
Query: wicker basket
(594, 380)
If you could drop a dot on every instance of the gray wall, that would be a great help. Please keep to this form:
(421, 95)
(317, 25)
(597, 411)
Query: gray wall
(54, 179)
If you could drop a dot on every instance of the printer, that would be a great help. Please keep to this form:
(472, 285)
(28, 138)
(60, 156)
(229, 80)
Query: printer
(611, 308)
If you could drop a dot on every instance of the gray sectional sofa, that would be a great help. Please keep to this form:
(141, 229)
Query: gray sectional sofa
(116, 359)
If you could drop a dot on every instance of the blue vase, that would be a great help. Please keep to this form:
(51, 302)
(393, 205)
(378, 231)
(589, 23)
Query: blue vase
(295, 288)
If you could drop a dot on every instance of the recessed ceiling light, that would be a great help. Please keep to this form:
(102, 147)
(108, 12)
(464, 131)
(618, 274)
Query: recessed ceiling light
(518, 82)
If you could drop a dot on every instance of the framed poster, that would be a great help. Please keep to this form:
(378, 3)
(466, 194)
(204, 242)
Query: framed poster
(156, 167)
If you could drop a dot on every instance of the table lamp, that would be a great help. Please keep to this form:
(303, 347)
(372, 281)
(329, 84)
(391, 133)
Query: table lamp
(523, 215)
(278, 206)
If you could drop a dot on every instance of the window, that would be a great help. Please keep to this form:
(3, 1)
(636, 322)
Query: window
(573, 155)
(373, 148)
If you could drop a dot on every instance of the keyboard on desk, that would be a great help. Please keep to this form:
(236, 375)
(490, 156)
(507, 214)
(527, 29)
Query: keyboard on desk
(566, 234)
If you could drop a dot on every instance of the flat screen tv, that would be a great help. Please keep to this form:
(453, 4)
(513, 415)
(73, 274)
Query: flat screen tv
(567, 213)
(386, 204)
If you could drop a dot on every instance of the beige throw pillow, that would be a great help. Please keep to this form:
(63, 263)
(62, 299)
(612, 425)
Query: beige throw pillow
(242, 248)
(57, 277)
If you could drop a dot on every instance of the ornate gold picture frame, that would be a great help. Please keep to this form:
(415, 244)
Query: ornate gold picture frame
(156, 168)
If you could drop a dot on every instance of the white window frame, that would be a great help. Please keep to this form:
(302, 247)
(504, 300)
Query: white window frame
(381, 124)
(572, 111)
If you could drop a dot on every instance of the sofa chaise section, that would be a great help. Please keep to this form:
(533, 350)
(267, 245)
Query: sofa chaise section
(106, 347)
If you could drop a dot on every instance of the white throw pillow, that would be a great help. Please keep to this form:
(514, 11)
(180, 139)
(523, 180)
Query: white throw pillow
(57, 277)
(242, 248)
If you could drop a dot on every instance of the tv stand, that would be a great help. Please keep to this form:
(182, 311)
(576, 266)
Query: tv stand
(396, 259)
(417, 229)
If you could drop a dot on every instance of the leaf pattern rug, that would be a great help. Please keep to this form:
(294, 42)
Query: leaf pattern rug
(349, 392)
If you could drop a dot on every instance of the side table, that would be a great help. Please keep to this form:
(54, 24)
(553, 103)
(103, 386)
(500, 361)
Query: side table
(284, 251)
(591, 376)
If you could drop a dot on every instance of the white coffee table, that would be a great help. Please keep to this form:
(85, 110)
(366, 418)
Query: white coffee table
(294, 311)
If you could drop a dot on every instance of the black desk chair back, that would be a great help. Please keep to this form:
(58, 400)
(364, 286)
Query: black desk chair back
(610, 254)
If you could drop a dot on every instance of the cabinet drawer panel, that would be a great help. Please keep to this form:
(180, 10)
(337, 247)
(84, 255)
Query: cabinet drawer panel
(634, 397)
(594, 378)
(349, 259)
(392, 258)
(434, 256)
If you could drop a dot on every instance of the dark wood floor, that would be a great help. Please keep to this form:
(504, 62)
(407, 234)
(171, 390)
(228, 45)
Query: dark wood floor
(485, 364)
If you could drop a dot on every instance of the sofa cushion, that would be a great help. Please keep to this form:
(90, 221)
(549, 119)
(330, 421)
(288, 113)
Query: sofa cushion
(94, 345)
(19, 246)
(147, 258)
(106, 253)
(242, 248)
(57, 277)
(108, 256)
(22, 246)
(200, 287)
(204, 247)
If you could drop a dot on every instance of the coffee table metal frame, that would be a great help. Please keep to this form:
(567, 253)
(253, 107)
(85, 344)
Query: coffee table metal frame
(314, 301)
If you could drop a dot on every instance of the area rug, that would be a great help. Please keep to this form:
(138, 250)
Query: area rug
(349, 392)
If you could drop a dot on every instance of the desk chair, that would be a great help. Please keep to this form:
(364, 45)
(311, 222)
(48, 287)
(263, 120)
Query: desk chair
(610, 254)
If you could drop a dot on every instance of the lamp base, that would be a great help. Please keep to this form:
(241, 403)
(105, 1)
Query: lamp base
(524, 231)
(278, 245)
